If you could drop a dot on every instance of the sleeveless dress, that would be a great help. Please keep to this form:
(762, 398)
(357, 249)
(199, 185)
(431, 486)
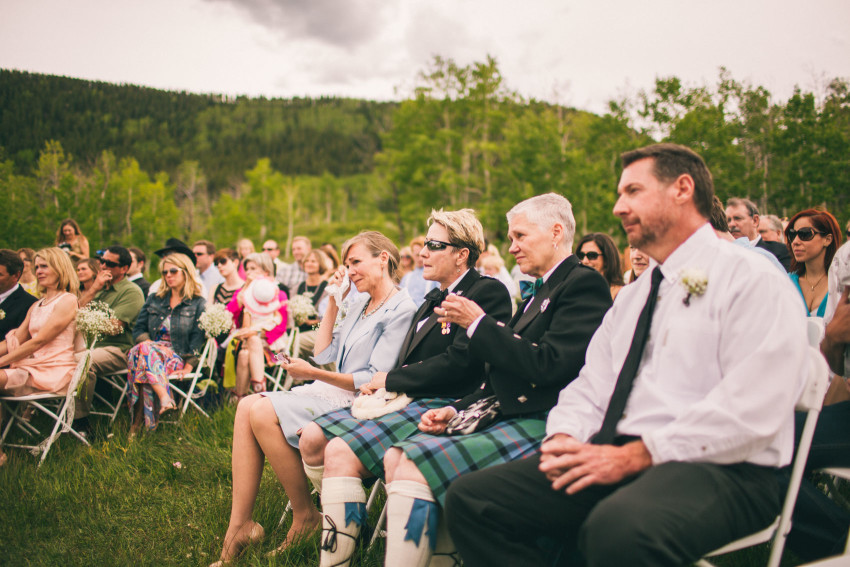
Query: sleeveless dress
(50, 368)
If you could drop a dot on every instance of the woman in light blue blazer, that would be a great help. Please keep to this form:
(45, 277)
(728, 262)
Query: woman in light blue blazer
(366, 340)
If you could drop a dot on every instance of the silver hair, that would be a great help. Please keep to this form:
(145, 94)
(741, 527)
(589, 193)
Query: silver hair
(546, 211)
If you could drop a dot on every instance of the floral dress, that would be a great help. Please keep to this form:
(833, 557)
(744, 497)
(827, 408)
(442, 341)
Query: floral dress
(150, 362)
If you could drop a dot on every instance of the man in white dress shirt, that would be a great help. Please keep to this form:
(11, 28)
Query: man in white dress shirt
(659, 455)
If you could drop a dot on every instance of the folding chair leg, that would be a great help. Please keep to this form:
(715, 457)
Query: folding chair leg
(119, 403)
(379, 528)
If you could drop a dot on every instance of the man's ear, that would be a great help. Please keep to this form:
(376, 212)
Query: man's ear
(684, 186)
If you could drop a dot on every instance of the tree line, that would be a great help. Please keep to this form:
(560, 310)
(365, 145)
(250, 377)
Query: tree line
(137, 165)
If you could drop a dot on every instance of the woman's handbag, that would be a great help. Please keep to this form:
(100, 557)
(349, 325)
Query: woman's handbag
(476, 417)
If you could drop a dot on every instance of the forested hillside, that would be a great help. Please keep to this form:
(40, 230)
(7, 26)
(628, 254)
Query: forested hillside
(162, 129)
(136, 165)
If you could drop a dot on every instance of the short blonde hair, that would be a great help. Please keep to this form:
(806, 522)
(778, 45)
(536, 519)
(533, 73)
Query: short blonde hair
(191, 287)
(263, 261)
(464, 230)
(60, 263)
(376, 243)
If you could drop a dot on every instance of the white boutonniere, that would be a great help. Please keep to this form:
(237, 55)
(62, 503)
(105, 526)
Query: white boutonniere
(695, 282)
(2, 314)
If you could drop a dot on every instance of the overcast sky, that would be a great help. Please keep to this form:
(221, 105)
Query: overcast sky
(576, 52)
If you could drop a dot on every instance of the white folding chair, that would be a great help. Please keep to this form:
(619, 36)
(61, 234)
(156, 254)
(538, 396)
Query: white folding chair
(58, 407)
(290, 348)
(810, 401)
(189, 395)
(117, 381)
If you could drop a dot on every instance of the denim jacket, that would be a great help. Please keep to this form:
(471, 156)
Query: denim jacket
(187, 339)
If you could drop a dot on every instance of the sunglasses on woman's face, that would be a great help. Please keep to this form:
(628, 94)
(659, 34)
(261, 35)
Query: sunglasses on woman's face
(437, 245)
(171, 271)
(805, 234)
(220, 262)
(589, 255)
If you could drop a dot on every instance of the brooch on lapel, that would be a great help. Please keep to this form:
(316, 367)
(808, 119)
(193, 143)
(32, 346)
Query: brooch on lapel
(544, 305)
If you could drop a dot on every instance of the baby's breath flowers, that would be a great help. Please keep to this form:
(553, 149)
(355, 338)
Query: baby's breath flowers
(216, 320)
(301, 307)
(96, 320)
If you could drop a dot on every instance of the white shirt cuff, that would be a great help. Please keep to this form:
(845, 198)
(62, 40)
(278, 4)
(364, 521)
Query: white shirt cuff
(474, 325)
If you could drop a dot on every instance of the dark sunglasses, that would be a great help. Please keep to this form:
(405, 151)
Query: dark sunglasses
(589, 255)
(109, 263)
(171, 271)
(437, 245)
(805, 234)
(220, 261)
(269, 249)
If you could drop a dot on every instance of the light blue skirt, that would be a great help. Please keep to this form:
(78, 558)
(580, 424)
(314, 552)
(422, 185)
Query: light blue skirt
(295, 410)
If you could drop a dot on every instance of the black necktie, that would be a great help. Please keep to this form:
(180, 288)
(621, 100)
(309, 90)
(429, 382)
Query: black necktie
(630, 367)
(436, 297)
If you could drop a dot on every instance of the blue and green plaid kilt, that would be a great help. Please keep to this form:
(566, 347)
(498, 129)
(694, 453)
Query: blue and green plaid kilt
(443, 458)
(370, 438)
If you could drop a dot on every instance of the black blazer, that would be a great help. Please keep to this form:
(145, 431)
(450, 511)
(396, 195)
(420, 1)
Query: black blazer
(143, 284)
(542, 350)
(434, 364)
(15, 307)
(777, 249)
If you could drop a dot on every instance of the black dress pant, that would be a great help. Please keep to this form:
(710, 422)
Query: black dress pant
(670, 514)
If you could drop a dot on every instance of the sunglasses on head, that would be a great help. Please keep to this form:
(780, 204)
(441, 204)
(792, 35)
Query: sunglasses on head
(805, 234)
(109, 263)
(171, 271)
(589, 255)
(437, 245)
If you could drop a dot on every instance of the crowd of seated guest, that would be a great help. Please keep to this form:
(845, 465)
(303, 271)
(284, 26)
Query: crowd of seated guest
(487, 404)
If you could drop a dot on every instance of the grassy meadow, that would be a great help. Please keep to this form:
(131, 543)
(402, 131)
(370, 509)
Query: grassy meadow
(161, 499)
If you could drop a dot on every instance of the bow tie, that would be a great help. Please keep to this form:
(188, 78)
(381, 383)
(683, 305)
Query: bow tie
(436, 297)
(529, 289)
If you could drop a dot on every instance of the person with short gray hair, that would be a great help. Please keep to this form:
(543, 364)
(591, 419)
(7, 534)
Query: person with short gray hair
(771, 229)
(528, 361)
(743, 218)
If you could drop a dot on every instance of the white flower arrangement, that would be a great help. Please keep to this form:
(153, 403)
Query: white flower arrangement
(215, 320)
(695, 282)
(301, 307)
(96, 320)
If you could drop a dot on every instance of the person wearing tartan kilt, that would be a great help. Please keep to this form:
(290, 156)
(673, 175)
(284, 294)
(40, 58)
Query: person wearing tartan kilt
(528, 361)
(434, 367)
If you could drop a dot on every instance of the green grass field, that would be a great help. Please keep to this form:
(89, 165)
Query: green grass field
(129, 503)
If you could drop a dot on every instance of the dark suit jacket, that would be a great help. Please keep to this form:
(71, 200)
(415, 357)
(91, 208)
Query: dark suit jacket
(542, 350)
(144, 284)
(434, 364)
(777, 249)
(15, 306)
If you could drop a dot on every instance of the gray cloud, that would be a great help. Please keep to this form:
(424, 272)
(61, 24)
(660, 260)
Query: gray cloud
(346, 24)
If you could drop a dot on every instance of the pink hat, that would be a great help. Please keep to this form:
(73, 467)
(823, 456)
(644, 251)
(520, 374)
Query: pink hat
(261, 297)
